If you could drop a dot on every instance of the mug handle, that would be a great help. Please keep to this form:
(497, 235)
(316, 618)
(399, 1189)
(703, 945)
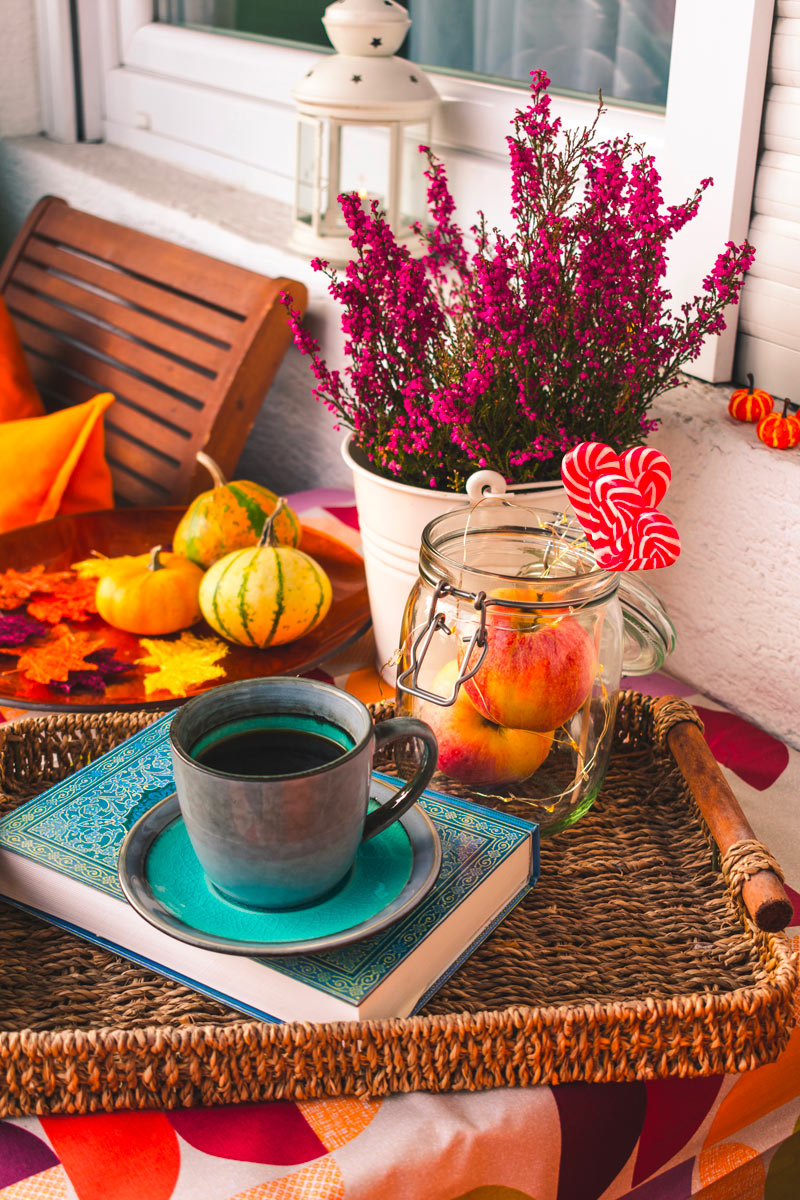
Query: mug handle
(392, 731)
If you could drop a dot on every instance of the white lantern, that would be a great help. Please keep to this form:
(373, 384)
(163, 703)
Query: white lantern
(362, 115)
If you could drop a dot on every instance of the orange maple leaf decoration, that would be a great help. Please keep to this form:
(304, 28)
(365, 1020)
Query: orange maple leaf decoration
(18, 586)
(64, 651)
(72, 600)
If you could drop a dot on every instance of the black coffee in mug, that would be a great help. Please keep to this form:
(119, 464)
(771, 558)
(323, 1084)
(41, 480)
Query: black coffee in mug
(293, 745)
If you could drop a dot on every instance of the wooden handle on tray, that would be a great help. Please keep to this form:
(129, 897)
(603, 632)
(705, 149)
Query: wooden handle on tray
(763, 892)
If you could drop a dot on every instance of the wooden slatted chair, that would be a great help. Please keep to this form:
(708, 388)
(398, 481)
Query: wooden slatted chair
(188, 345)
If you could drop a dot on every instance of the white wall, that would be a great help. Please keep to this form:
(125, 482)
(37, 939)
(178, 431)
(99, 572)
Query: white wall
(769, 327)
(733, 594)
(20, 104)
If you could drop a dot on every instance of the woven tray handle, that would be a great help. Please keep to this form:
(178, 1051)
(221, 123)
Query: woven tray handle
(747, 864)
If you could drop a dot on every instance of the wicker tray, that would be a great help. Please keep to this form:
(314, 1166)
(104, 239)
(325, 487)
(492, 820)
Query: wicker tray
(633, 958)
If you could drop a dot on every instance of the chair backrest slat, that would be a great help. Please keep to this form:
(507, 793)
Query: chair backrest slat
(167, 441)
(140, 363)
(188, 344)
(204, 322)
(174, 270)
(139, 327)
(150, 473)
(64, 370)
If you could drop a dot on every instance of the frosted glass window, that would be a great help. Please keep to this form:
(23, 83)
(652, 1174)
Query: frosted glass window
(619, 46)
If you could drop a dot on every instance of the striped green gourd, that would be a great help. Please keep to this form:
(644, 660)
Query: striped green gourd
(265, 595)
(229, 517)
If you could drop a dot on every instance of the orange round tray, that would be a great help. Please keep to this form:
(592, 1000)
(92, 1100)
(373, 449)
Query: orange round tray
(65, 540)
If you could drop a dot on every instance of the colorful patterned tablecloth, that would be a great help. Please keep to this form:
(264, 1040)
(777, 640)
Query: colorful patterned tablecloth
(721, 1138)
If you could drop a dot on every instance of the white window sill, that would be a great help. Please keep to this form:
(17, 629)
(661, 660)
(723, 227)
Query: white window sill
(155, 196)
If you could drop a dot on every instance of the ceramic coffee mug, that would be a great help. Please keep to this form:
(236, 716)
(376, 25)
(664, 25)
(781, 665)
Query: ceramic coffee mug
(273, 778)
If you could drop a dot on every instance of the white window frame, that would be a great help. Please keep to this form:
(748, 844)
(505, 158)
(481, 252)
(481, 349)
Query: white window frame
(199, 100)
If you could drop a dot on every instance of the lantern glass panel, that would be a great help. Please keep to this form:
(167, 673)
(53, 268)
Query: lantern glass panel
(412, 174)
(364, 163)
(307, 155)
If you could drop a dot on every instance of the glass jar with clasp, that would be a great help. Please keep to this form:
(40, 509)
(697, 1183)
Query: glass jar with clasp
(512, 648)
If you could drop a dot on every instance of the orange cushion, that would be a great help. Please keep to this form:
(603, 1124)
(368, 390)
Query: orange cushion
(18, 396)
(54, 465)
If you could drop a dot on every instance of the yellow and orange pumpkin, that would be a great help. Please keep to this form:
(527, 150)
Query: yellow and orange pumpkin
(750, 403)
(265, 595)
(780, 430)
(229, 517)
(150, 593)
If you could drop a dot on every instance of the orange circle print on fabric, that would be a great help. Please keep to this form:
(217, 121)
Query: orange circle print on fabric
(731, 1172)
(320, 1180)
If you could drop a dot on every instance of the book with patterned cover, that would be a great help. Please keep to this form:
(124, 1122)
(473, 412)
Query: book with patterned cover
(58, 858)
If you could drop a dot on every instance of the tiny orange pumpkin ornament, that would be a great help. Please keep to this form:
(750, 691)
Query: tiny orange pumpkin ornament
(151, 593)
(780, 430)
(750, 403)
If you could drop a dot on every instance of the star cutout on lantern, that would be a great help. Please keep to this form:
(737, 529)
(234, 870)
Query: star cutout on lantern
(309, 73)
(376, 41)
(356, 79)
(413, 79)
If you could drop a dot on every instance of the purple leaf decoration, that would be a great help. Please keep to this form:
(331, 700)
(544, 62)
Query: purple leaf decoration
(93, 681)
(16, 628)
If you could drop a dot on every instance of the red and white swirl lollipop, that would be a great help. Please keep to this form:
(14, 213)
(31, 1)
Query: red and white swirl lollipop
(579, 467)
(649, 469)
(615, 500)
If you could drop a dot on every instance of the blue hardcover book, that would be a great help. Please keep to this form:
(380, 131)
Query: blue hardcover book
(58, 858)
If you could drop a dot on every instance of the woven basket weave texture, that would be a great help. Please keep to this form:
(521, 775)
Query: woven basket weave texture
(631, 959)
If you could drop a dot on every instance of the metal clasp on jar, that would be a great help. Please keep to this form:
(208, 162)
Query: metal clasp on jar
(437, 623)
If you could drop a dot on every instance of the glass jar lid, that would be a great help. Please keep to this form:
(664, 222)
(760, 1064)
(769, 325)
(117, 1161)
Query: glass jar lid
(649, 633)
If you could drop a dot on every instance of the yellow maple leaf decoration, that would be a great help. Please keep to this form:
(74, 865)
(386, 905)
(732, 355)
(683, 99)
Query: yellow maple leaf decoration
(181, 664)
(99, 565)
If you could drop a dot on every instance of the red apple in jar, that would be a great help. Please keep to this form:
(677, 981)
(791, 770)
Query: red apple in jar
(534, 678)
(475, 750)
(545, 597)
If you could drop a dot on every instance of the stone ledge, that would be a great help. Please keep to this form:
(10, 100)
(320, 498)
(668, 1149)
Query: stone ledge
(732, 594)
(154, 185)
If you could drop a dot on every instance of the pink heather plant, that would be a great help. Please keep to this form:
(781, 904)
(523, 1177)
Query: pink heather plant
(508, 354)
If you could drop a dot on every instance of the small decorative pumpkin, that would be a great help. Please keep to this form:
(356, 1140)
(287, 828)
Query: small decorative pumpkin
(779, 430)
(265, 595)
(229, 517)
(151, 593)
(750, 403)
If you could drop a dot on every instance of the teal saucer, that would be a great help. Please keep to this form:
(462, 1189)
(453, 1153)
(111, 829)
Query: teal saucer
(163, 880)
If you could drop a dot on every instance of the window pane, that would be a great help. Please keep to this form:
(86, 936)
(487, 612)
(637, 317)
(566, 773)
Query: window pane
(291, 20)
(619, 46)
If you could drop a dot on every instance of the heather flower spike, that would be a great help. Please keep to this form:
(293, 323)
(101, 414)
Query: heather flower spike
(505, 350)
